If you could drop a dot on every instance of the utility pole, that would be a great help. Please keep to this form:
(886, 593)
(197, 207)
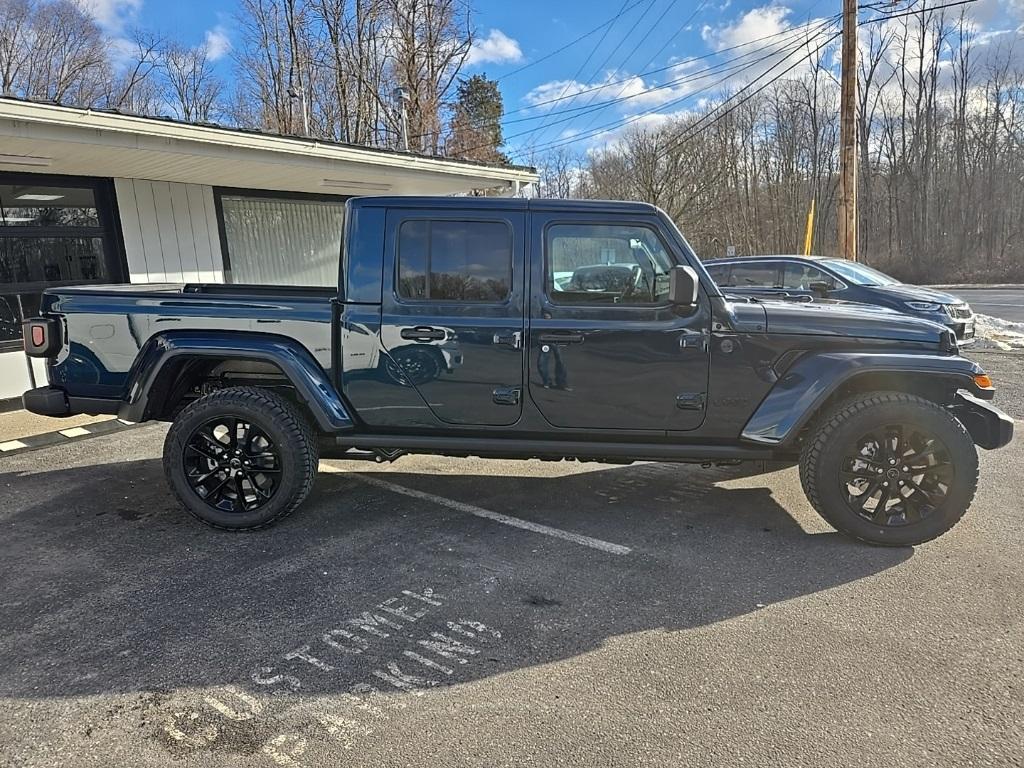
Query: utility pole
(299, 94)
(296, 93)
(401, 97)
(848, 135)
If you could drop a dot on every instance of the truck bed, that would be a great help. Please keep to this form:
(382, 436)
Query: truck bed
(109, 324)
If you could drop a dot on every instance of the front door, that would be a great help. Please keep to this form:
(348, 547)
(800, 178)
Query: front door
(453, 319)
(606, 349)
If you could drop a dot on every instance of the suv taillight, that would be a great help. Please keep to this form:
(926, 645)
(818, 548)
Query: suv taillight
(42, 336)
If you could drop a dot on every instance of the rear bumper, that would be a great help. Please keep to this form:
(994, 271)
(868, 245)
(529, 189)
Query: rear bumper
(54, 401)
(989, 427)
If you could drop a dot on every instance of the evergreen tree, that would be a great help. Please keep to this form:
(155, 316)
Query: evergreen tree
(475, 127)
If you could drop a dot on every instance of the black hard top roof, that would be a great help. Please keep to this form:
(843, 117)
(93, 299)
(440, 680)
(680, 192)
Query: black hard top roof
(505, 204)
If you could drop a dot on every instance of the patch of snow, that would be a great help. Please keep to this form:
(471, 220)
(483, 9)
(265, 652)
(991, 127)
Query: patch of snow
(996, 333)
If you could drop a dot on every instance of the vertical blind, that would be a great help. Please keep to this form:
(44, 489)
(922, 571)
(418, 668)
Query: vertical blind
(273, 241)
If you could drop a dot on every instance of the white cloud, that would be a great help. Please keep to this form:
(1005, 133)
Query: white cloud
(112, 15)
(496, 48)
(634, 91)
(217, 43)
(752, 25)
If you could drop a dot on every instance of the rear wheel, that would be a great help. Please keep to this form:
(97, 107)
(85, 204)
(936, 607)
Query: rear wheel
(240, 458)
(890, 468)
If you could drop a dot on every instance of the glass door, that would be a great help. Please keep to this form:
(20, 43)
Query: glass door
(54, 231)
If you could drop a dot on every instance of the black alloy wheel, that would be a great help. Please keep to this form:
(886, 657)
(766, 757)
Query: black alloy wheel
(232, 465)
(890, 468)
(897, 475)
(241, 458)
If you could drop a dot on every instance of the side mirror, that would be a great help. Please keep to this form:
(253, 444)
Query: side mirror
(820, 287)
(682, 287)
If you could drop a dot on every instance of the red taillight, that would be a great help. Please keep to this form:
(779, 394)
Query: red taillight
(38, 335)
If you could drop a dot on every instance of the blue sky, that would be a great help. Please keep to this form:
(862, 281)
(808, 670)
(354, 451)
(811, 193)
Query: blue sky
(514, 36)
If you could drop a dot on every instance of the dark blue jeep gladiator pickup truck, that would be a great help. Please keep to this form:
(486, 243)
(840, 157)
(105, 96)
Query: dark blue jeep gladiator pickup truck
(513, 328)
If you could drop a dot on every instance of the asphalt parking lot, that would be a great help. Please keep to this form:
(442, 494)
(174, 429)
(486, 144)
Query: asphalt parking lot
(469, 613)
(1007, 303)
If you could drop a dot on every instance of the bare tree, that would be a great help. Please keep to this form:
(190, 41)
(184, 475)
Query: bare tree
(51, 50)
(429, 43)
(192, 85)
(16, 40)
(136, 87)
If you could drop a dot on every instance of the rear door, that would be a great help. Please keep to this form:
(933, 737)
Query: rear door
(452, 311)
(607, 350)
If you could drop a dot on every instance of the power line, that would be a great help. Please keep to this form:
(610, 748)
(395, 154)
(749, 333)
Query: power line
(615, 50)
(571, 43)
(673, 65)
(915, 12)
(689, 131)
(730, 66)
(683, 26)
(586, 61)
(586, 109)
(583, 109)
(725, 66)
(785, 54)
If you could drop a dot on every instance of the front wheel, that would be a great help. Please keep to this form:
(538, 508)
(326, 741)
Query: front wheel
(240, 458)
(890, 469)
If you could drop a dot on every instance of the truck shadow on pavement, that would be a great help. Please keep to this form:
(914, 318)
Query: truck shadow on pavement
(108, 586)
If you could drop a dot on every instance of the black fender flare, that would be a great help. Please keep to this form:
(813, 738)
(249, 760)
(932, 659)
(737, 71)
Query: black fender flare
(311, 382)
(808, 384)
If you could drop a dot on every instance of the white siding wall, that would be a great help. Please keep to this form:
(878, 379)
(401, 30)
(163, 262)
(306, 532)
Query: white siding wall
(14, 376)
(170, 232)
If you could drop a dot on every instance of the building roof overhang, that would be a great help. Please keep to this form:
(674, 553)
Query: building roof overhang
(48, 138)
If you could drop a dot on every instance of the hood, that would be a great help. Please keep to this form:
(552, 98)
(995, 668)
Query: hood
(903, 292)
(820, 318)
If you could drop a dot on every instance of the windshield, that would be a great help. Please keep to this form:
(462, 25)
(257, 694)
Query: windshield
(858, 274)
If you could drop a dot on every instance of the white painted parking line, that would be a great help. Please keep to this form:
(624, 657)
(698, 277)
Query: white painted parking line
(12, 445)
(498, 517)
(74, 432)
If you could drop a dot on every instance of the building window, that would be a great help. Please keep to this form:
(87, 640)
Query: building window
(454, 261)
(281, 239)
(54, 231)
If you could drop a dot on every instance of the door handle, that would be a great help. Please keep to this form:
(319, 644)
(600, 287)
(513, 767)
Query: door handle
(506, 396)
(514, 339)
(560, 338)
(423, 333)
(697, 341)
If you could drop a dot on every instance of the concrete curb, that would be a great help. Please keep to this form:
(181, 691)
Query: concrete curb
(70, 435)
(977, 286)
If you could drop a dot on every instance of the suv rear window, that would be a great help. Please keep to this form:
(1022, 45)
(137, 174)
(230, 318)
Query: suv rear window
(454, 261)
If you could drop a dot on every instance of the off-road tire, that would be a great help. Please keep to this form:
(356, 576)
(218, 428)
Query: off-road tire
(282, 421)
(823, 453)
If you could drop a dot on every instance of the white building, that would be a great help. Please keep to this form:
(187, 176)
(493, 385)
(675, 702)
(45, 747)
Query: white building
(89, 196)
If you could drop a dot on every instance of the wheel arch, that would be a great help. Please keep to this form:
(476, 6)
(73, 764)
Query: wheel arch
(817, 382)
(171, 363)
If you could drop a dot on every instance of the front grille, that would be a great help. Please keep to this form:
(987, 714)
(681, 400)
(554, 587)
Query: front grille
(959, 311)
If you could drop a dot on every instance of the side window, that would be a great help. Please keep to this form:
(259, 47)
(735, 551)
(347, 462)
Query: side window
(800, 276)
(719, 273)
(757, 274)
(454, 261)
(606, 264)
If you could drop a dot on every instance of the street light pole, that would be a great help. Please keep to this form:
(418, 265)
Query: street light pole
(848, 135)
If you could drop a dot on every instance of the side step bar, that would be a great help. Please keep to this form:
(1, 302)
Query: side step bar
(528, 449)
